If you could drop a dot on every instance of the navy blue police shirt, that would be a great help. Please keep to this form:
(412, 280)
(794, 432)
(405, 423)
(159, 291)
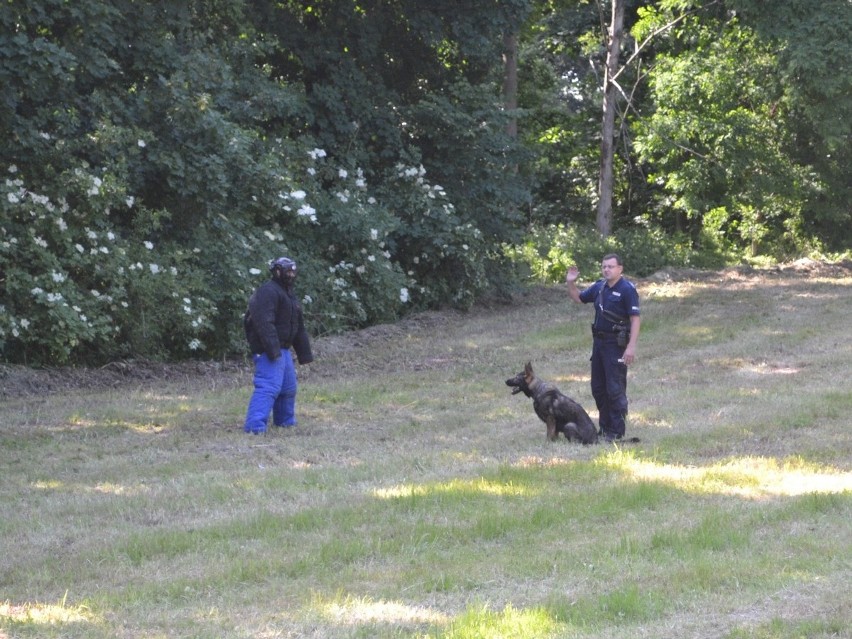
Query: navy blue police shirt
(621, 300)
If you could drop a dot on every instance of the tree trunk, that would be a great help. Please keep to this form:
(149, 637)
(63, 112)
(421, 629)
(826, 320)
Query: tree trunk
(510, 80)
(605, 179)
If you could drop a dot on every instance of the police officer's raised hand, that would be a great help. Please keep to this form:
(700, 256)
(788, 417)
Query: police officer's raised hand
(572, 274)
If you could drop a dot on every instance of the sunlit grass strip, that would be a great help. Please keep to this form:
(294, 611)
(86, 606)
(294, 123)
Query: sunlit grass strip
(355, 611)
(479, 622)
(752, 477)
(44, 614)
(455, 486)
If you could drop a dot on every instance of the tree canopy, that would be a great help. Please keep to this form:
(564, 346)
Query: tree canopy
(157, 155)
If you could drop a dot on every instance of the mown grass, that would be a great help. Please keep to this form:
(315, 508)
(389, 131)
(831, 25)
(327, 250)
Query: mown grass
(418, 498)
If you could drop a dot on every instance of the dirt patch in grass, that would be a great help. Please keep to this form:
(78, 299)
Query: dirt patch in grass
(21, 381)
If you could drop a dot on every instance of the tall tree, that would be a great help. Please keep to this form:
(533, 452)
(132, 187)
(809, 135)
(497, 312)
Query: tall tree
(605, 180)
(510, 80)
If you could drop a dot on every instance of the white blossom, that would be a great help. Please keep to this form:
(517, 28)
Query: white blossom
(298, 195)
(141, 144)
(403, 295)
(308, 211)
(155, 268)
(148, 245)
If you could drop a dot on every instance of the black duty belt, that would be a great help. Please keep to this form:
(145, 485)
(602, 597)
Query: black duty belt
(602, 334)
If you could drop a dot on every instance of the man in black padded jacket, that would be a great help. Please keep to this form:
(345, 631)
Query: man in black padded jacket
(274, 325)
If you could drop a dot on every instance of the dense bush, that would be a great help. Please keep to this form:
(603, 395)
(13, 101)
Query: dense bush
(548, 252)
(81, 287)
(157, 157)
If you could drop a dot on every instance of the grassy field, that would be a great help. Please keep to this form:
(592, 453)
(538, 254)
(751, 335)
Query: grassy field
(418, 498)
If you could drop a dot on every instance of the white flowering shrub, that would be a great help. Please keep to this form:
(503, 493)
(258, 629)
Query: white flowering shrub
(79, 288)
(442, 253)
(325, 218)
(90, 274)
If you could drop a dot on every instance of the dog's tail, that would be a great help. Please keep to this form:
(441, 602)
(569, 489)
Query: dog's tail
(625, 440)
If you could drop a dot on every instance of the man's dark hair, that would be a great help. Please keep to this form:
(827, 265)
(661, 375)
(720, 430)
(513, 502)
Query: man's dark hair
(613, 256)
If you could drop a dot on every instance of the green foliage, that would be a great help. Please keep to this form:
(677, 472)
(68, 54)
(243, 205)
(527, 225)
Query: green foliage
(159, 155)
(156, 155)
(811, 41)
(717, 143)
(78, 287)
(547, 252)
(559, 95)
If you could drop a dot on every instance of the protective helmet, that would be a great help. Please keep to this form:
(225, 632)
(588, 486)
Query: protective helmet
(284, 263)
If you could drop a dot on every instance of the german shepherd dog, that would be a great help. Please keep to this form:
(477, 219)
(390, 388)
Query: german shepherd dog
(561, 413)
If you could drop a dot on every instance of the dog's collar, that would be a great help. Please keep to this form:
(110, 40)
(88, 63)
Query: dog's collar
(536, 382)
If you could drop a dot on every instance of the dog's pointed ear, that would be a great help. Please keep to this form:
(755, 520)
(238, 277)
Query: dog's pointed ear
(528, 368)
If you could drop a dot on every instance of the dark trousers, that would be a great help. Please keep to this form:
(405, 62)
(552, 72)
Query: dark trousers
(609, 385)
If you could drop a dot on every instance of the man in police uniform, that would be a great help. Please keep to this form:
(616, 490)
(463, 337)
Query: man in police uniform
(614, 332)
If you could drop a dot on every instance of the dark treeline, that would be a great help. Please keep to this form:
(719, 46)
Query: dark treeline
(407, 154)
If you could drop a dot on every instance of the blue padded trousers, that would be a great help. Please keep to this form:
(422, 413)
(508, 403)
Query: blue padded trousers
(274, 392)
